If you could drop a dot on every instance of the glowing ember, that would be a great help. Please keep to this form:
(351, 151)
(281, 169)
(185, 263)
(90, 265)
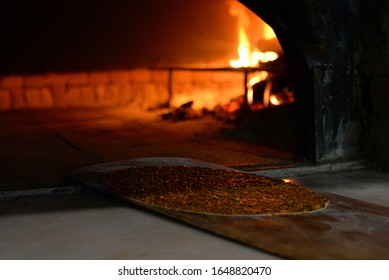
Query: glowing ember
(258, 77)
(266, 94)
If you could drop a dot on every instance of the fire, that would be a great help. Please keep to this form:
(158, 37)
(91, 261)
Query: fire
(258, 77)
(268, 32)
(260, 90)
(274, 100)
(264, 56)
(249, 56)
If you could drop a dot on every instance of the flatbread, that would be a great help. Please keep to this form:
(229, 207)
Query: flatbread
(212, 191)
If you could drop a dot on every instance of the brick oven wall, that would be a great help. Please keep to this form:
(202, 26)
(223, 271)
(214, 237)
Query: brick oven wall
(141, 87)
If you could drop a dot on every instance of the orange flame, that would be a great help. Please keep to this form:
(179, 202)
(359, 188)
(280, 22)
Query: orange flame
(258, 77)
(268, 32)
(249, 57)
(274, 100)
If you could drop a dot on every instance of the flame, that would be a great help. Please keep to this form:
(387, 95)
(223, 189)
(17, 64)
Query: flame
(249, 57)
(264, 56)
(258, 77)
(268, 32)
(274, 100)
(266, 94)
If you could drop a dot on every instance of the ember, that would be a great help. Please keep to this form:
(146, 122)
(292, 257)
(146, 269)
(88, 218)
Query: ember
(212, 191)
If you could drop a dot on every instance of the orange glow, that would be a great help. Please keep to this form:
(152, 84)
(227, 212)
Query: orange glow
(266, 94)
(249, 57)
(264, 56)
(258, 77)
(274, 100)
(232, 106)
(205, 98)
(268, 32)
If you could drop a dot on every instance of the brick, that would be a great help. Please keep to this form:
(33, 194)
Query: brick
(33, 98)
(59, 97)
(126, 94)
(163, 93)
(159, 76)
(35, 80)
(12, 81)
(87, 97)
(155, 95)
(101, 94)
(47, 97)
(18, 100)
(182, 76)
(113, 94)
(202, 76)
(5, 99)
(141, 75)
(72, 97)
(99, 78)
(151, 96)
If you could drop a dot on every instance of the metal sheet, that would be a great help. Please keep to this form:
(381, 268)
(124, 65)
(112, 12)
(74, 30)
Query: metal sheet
(345, 229)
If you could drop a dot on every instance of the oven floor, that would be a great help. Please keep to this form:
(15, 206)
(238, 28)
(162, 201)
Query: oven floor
(40, 147)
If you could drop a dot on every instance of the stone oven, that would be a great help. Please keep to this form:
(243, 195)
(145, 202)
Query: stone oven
(77, 54)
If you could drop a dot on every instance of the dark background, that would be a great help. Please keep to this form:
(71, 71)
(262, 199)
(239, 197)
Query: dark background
(41, 36)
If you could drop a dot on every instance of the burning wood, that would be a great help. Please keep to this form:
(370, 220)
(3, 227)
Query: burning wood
(274, 90)
(184, 112)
